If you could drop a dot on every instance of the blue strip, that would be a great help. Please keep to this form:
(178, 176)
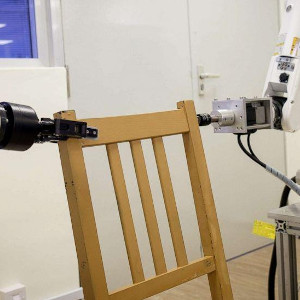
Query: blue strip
(18, 31)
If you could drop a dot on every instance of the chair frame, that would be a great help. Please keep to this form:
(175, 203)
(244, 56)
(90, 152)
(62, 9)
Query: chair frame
(132, 129)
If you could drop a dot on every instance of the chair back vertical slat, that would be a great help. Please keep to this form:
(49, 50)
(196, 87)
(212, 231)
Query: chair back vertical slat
(148, 207)
(201, 213)
(197, 195)
(169, 200)
(219, 280)
(88, 250)
(130, 238)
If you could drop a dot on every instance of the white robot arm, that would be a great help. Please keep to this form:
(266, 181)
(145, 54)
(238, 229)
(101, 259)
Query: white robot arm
(279, 108)
(283, 79)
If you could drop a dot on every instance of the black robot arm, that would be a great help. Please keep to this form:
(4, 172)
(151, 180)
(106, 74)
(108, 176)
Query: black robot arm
(20, 128)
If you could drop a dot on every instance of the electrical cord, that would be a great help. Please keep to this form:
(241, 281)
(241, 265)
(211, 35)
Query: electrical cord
(273, 263)
(250, 155)
(249, 144)
(290, 185)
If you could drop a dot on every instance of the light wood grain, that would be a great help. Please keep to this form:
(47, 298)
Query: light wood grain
(148, 207)
(136, 127)
(166, 281)
(131, 243)
(170, 203)
(132, 129)
(219, 280)
(82, 215)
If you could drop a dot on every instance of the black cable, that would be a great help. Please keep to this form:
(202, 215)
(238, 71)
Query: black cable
(252, 156)
(249, 145)
(272, 274)
(283, 202)
(273, 263)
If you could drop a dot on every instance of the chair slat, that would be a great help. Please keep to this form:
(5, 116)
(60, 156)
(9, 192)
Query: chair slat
(169, 199)
(219, 281)
(166, 281)
(136, 127)
(88, 250)
(198, 195)
(148, 207)
(131, 243)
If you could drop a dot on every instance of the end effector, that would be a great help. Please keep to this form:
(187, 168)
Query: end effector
(20, 128)
(240, 115)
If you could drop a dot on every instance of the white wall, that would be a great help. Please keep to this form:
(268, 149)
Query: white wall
(130, 57)
(236, 39)
(141, 56)
(37, 247)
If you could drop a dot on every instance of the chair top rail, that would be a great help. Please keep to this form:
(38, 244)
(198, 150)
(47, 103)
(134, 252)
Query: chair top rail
(136, 127)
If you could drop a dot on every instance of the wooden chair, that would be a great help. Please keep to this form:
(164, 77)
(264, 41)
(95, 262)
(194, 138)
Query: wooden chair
(133, 129)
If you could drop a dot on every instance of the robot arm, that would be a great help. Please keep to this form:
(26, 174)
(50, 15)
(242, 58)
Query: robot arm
(280, 106)
(20, 128)
(283, 78)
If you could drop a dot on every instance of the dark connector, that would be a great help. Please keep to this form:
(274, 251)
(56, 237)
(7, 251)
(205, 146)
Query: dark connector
(20, 128)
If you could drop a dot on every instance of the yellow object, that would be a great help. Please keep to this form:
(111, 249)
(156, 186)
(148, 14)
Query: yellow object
(264, 229)
(295, 46)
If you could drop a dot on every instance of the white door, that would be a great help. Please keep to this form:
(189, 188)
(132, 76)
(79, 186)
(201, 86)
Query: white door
(128, 57)
(236, 39)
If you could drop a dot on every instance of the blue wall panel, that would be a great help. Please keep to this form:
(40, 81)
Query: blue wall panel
(17, 29)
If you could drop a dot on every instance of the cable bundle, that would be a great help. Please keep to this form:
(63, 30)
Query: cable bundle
(290, 185)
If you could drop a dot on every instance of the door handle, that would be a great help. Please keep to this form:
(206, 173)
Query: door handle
(201, 78)
(208, 75)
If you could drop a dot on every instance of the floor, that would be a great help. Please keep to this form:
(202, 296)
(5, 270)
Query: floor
(248, 274)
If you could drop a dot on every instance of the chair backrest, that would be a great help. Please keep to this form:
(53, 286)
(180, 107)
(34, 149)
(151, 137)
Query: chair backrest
(133, 129)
